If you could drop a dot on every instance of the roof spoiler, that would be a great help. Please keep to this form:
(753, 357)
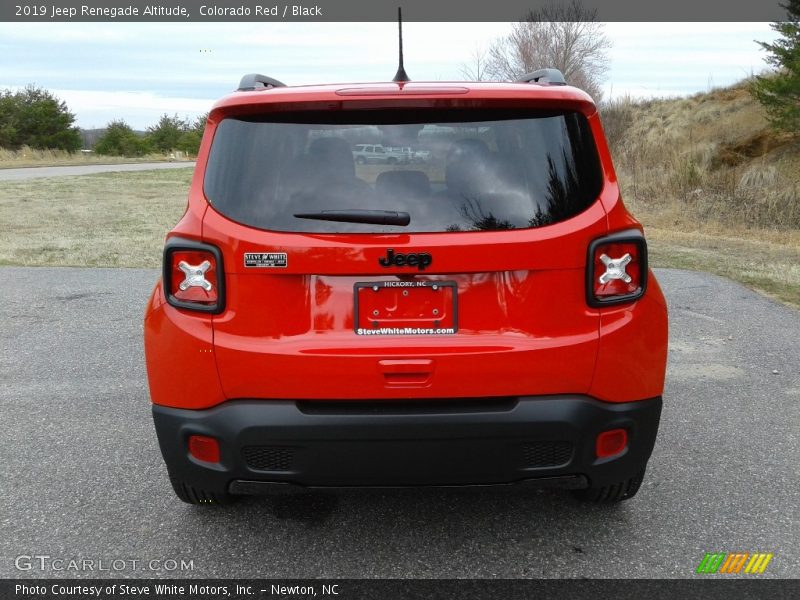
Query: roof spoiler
(253, 82)
(545, 76)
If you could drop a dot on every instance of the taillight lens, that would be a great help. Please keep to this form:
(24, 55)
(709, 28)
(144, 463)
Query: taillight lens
(193, 276)
(616, 269)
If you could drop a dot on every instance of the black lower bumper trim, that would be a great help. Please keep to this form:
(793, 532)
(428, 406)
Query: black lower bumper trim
(276, 488)
(280, 444)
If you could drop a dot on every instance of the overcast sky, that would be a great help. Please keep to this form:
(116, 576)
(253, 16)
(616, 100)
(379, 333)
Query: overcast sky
(138, 71)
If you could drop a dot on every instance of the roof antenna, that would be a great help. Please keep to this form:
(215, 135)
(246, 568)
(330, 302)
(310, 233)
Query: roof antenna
(401, 75)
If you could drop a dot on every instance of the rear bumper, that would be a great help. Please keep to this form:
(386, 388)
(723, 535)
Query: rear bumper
(271, 444)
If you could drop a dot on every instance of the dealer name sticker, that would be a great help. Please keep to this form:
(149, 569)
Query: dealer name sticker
(266, 259)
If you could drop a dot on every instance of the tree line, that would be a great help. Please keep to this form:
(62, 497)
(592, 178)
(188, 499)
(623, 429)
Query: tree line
(169, 134)
(35, 118)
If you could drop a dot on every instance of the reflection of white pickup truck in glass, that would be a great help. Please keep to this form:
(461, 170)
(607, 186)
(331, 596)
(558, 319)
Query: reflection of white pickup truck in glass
(378, 154)
(420, 156)
(410, 155)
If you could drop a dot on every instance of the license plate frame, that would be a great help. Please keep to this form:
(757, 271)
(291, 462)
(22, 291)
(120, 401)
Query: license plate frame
(447, 324)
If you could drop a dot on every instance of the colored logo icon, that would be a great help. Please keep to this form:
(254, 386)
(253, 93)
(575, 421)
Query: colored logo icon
(734, 562)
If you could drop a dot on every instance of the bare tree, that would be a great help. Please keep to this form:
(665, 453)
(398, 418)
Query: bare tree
(564, 36)
(475, 69)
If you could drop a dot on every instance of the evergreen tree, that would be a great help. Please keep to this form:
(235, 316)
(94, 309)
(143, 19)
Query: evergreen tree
(120, 140)
(190, 139)
(779, 93)
(34, 117)
(165, 136)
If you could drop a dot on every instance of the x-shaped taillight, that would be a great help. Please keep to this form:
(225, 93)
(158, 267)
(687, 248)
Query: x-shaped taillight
(195, 275)
(615, 268)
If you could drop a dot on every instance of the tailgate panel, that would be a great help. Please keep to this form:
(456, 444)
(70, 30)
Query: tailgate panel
(513, 338)
(520, 315)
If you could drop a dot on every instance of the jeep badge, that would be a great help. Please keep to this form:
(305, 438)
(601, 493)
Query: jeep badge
(421, 260)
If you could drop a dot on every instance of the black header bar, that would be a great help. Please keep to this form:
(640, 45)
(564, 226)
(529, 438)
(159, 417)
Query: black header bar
(376, 10)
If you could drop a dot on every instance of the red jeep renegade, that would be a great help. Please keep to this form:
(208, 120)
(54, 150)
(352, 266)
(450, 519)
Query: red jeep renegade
(481, 314)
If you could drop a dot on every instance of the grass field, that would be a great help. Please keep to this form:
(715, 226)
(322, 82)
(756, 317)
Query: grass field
(769, 267)
(120, 219)
(108, 219)
(29, 157)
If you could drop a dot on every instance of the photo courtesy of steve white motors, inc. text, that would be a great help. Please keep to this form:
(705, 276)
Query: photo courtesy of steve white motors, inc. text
(172, 589)
(60, 12)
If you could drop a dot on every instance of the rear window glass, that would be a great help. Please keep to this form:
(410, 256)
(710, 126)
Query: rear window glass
(455, 170)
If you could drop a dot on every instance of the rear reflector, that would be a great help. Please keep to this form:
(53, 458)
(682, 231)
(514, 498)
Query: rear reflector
(616, 269)
(610, 443)
(204, 448)
(193, 275)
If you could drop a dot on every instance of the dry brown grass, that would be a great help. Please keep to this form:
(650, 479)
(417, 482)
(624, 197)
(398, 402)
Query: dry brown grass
(769, 266)
(708, 158)
(31, 157)
(715, 187)
(109, 219)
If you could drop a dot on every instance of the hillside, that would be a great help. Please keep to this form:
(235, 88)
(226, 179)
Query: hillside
(716, 188)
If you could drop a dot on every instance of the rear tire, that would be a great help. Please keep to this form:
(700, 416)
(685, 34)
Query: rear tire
(192, 495)
(609, 494)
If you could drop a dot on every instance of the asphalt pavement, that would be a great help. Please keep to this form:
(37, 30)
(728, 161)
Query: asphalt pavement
(39, 172)
(82, 476)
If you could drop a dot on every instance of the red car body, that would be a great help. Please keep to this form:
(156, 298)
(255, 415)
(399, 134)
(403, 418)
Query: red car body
(333, 408)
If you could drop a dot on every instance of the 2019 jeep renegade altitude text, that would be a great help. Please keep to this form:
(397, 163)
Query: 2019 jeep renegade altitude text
(484, 316)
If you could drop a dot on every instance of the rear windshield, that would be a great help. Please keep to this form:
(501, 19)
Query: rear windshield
(455, 170)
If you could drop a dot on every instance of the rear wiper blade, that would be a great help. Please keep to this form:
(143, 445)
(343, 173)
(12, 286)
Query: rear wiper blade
(373, 217)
